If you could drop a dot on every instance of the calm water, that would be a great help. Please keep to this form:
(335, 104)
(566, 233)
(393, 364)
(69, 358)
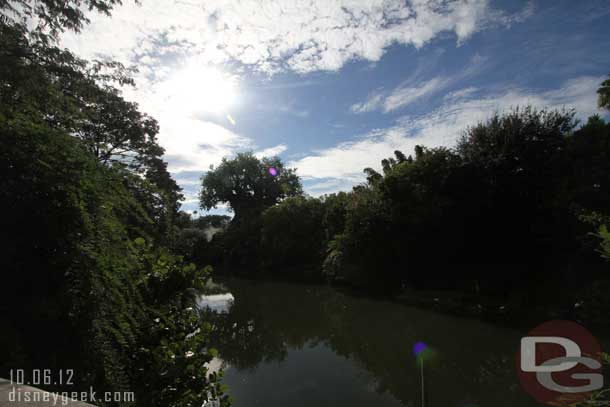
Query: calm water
(297, 345)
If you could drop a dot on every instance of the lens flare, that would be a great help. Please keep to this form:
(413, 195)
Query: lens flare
(419, 347)
(272, 171)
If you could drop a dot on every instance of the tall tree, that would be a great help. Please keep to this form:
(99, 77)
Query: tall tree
(82, 178)
(248, 184)
(52, 87)
(77, 96)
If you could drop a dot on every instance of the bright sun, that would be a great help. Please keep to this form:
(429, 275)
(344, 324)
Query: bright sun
(197, 89)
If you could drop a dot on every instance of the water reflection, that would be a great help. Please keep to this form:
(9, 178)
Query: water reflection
(298, 345)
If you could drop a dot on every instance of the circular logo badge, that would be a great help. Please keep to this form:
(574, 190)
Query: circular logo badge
(559, 363)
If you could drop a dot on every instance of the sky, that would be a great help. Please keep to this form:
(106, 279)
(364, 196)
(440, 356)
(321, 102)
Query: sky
(335, 86)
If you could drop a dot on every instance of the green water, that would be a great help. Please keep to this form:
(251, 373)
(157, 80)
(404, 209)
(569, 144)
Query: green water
(288, 344)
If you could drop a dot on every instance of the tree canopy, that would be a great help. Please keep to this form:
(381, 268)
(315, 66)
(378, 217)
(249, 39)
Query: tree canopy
(54, 16)
(248, 184)
(91, 210)
(520, 200)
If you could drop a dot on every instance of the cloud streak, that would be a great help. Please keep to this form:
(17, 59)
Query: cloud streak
(414, 89)
(271, 151)
(400, 97)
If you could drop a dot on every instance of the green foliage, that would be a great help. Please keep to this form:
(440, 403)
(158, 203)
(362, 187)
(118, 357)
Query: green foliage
(523, 139)
(497, 215)
(335, 211)
(333, 267)
(175, 344)
(587, 168)
(93, 219)
(78, 263)
(291, 235)
(604, 235)
(54, 16)
(391, 223)
(360, 250)
(88, 283)
(193, 237)
(47, 86)
(247, 185)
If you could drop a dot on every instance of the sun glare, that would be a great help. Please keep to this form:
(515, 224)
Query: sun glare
(197, 89)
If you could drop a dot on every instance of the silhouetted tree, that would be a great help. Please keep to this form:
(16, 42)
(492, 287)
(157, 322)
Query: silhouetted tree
(604, 94)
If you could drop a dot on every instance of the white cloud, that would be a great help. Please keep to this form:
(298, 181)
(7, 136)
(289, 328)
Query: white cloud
(194, 145)
(461, 93)
(415, 88)
(401, 96)
(374, 102)
(271, 36)
(175, 43)
(405, 95)
(271, 151)
(343, 163)
(322, 187)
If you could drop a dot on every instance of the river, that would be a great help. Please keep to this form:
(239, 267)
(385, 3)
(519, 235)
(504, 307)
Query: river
(292, 345)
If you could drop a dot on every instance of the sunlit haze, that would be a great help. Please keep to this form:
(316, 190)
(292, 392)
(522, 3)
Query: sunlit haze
(197, 88)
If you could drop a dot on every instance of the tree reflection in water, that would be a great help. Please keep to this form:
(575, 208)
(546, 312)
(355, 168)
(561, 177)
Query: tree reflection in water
(349, 341)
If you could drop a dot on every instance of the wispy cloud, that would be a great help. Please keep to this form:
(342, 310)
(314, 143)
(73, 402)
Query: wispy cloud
(342, 164)
(373, 102)
(414, 89)
(283, 107)
(271, 151)
(461, 93)
(400, 97)
(405, 95)
(318, 187)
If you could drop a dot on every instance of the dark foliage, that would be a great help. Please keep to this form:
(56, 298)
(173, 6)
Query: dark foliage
(88, 282)
(513, 213)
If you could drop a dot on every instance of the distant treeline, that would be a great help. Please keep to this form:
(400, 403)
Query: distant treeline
(517, 211)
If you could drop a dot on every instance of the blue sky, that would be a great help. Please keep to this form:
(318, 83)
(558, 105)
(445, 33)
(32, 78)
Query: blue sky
(334, 86)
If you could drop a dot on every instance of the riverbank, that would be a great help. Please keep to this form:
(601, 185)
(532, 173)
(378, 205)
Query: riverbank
(485, 309)
(516, 314)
